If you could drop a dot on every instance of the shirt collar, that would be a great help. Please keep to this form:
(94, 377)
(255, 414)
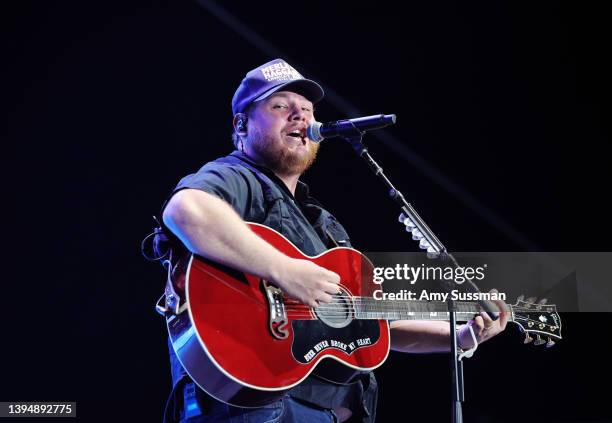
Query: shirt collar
(302, 191)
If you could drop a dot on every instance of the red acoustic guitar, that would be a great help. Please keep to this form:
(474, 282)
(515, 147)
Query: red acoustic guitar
(243, 343)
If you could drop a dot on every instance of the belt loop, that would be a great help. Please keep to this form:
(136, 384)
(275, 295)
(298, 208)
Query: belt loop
(335, 418)
(191, 405)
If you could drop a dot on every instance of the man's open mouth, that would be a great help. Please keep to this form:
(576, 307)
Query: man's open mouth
(298, 135)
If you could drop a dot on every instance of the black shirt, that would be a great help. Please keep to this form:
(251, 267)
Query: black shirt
(259, 196)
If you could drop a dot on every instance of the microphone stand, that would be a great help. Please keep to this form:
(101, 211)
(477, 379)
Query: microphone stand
(435, 249)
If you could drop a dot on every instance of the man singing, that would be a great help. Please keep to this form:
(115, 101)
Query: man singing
(259, 182)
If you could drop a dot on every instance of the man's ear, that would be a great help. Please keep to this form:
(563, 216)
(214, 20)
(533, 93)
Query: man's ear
(240, 123)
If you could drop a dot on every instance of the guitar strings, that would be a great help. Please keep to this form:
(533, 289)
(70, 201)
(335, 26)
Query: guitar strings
(345, 310)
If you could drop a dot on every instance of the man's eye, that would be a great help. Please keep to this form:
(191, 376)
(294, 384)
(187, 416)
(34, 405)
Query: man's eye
(306, 109)
(280, 106)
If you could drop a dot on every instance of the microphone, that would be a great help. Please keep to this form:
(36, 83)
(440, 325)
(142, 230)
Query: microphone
(318, 131)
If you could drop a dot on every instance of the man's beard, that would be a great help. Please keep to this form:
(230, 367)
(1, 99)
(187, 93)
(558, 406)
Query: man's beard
(280, 160)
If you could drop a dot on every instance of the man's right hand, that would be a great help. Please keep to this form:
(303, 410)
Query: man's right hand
(307, 282)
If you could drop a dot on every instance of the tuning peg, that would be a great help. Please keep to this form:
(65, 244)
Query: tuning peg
(550, 343)
(528, 338)
(416, 234)
(539, 340)
(520, 298)
(402, 217)
(531, 300)
(541, 303)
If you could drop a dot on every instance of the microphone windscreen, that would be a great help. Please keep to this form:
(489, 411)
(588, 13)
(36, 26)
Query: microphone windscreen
(314, 131)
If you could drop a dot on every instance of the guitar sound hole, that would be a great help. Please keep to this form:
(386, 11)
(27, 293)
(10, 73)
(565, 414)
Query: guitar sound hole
(338, 313)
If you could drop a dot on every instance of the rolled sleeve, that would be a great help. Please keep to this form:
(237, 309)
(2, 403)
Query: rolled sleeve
(225, 182)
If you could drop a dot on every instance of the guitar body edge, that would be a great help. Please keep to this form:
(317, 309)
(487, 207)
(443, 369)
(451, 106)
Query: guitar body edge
(206, 374)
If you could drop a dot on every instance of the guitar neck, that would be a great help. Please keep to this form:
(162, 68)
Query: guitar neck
(370, 308)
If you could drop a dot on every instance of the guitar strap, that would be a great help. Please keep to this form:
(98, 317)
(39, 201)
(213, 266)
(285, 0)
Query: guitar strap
(176, 264)
(331, 237)
(170, 298)
(163, 249)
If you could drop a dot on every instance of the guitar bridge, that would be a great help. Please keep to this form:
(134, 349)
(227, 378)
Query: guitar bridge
(277, 314)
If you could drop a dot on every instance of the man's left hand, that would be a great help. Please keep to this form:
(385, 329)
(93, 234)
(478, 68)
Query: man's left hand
(483, 326)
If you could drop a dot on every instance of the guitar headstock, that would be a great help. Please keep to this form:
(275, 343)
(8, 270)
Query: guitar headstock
(539, 319)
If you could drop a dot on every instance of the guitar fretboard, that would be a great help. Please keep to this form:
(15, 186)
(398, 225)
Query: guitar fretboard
(370, 308)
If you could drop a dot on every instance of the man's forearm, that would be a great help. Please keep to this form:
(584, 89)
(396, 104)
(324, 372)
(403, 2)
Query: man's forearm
(209, 227)
(420, 336)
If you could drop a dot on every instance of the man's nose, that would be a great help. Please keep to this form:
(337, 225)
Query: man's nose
(298, 114)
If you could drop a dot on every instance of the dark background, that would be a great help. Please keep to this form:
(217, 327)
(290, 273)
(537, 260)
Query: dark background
(108, 104)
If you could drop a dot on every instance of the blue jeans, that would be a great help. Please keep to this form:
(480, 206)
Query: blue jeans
(286, 410)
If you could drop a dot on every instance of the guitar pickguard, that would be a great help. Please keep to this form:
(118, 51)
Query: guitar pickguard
(315, 337)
